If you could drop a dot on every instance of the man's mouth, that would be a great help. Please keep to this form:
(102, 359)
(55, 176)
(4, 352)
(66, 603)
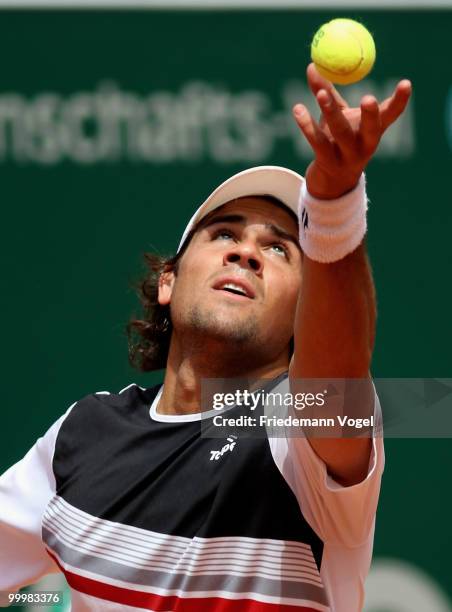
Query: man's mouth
(235, 287)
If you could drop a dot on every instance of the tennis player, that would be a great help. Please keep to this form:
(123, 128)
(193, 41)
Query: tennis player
(126, 497)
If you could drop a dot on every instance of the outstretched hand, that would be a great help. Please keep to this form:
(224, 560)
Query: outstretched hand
(345, 138)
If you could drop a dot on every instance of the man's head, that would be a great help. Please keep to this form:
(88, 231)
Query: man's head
(238, 280)
(234, 282)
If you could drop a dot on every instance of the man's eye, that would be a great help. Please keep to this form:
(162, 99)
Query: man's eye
(224, 234)
(280, 249)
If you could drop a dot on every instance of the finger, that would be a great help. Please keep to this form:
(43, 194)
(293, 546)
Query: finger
(317, 82)
(393, 107)
(369, 132)
(311, 130)
(336, 121)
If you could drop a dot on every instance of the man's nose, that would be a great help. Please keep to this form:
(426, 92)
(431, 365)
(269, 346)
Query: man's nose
(245, 254)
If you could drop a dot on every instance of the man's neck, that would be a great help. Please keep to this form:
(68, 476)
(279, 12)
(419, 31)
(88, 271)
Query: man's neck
(186, 370)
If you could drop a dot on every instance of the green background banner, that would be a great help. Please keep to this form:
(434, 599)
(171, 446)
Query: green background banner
(114, 126)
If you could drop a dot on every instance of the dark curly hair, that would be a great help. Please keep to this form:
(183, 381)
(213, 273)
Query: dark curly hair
(149, 336)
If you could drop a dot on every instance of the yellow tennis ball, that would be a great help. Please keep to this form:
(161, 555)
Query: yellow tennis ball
(343, 51)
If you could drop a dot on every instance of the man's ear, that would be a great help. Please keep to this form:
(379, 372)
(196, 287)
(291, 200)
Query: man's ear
(166, 283)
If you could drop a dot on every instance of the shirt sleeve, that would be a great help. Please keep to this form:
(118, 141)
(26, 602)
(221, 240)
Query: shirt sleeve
(25, 490)
(340, 515)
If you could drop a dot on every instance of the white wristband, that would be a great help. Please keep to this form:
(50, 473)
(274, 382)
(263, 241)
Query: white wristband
(331, 229)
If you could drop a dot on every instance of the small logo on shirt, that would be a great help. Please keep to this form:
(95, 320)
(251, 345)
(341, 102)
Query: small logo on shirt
(216, 454)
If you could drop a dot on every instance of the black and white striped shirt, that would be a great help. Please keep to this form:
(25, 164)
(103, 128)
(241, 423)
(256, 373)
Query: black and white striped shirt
(130, 506)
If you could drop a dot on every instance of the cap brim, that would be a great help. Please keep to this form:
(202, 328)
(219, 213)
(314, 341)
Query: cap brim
(276, 181)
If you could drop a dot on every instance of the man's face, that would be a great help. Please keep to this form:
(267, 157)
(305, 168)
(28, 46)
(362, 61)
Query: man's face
(239, 279)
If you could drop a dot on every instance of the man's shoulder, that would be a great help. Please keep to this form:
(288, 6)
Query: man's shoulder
(129, 396)
(99, 424)
(101, 408)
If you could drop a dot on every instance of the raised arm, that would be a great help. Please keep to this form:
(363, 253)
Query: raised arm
(335, 321)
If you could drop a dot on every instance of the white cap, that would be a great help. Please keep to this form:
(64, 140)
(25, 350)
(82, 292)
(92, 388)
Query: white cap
(276, 181)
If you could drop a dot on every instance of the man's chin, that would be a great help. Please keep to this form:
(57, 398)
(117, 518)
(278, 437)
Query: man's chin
(222, 327)
(232, 332)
